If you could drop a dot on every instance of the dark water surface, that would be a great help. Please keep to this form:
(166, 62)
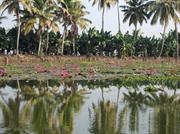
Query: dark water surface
(118, 106)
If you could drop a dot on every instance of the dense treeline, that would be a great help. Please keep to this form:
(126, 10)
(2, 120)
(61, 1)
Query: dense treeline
(92, 42)
(39, 23)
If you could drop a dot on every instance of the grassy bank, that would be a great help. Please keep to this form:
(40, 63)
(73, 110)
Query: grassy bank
(32, 67)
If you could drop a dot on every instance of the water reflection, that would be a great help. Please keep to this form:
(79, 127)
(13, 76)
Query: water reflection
(134, 102)
(40, 108)
(104, 118)
(166, 113)
(119, 106)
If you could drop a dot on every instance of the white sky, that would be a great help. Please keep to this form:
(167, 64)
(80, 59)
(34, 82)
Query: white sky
(111, 23)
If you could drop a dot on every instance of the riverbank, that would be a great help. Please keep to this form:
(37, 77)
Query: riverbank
(61, 67)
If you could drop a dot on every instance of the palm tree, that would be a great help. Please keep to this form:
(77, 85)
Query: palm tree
(66, 21)
(42, 15)
(163, 11)
(13, 6)
(177, 37)
(103, 4)
(135, 12)
(103, 120)
(176, 19)
(78, 13)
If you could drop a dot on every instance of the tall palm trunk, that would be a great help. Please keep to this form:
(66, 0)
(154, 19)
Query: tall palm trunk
(47, 42)
(103, 19)
(63, 39)
(74, 49)
(163, 36)
(40, 43)
(119, 23)
(176, 30)
(18, 34)
(134, 38)
(135, 34)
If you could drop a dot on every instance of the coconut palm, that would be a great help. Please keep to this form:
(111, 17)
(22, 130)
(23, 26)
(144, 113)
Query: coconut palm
(177, 37)
(176, 5)
(78, 13)
(14, 6)
(43, 16)
(103, 4)
(135, 12)
(163, 11)
(66, 21)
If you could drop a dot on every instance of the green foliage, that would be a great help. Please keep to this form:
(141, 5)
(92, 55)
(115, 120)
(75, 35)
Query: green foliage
(91, 42)
(42, 21)
(135, 12)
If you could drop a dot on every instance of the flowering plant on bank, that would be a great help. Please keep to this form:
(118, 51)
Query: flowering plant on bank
(65, 73)
(3, 72)
(39, 69)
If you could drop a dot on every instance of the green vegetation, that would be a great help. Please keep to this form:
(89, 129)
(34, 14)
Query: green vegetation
(39, 23)
(85, 68)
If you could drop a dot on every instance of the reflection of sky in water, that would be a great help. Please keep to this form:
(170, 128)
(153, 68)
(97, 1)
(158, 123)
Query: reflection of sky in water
(8, 92)
(144, 125)
(81, 123)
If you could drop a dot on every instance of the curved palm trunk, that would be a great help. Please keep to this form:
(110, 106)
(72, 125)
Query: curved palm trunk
(103, 19)
(176, 30)
(18, 34)
(163, 41)
(119, 23)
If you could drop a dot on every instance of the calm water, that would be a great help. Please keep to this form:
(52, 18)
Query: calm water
(118, 106)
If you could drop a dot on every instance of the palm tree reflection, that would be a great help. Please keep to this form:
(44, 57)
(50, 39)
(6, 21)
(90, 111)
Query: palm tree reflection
(15, 113)
(42, 108)
(134, 103)
(71, 104)
(166, 113)
(104, 118)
